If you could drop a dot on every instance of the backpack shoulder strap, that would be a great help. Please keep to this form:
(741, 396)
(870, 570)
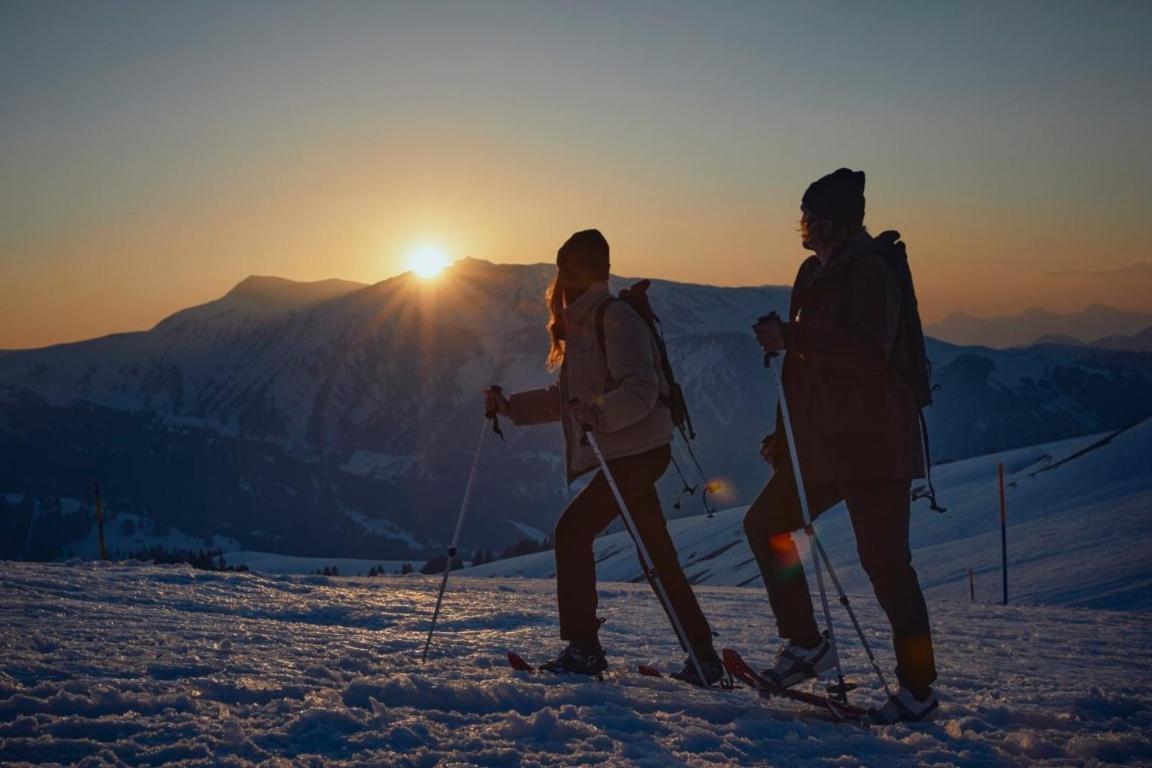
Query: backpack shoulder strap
(602, 310)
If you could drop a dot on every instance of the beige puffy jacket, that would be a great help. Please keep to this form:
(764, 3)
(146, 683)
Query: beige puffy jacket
(625, 388)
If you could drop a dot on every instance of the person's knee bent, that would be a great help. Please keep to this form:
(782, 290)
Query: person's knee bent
(892, 580)
(764, 523)
(753, 525)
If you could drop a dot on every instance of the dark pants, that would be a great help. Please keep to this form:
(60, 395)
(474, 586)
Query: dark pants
(592, 511)
(879, 510)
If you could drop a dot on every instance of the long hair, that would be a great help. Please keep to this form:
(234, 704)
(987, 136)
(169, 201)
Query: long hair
(554, 297)
(580, 262)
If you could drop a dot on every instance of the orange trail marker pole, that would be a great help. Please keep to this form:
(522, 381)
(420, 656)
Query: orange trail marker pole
(1003, 532)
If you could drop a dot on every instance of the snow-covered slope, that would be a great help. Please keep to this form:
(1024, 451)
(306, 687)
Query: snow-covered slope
(1080, 530)
(123, 664)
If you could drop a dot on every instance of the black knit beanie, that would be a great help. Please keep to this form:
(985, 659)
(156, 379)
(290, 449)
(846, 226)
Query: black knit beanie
(585, 254)
(839, 197)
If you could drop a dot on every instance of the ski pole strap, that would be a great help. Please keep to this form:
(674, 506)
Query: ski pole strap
(709, 508)
(687, 490)
(932, 503)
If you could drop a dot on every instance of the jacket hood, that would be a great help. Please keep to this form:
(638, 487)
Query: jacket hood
(577, 312)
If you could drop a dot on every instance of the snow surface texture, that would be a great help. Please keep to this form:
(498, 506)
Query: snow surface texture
(114, 664)
(1079, 533)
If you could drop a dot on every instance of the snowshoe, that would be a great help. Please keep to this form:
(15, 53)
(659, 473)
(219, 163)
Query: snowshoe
(905, 707)
(714, 671)
(578, 659)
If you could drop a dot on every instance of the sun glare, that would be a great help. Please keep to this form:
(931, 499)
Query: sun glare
(427, 261)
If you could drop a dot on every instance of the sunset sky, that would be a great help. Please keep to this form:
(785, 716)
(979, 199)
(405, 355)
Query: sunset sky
(153, 154)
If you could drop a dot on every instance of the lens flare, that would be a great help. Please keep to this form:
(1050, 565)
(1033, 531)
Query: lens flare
(721, 489)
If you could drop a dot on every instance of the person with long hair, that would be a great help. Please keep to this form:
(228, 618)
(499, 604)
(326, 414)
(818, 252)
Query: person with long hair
(855, 422)
(614, 389)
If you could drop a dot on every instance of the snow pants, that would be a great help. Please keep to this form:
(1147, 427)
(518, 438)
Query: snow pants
(591, 512)
(879, 511)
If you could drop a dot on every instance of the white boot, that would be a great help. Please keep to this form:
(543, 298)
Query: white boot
(795, 664)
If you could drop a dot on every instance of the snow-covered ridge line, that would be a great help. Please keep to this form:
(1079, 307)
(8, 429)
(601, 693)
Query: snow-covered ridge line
(280, 405)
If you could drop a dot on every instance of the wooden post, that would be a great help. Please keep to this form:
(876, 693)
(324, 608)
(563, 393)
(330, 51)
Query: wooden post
(971, 586)
(100, 521)
(1003, 532)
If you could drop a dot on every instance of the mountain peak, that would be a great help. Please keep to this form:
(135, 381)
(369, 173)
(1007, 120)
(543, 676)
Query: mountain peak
(267, 287)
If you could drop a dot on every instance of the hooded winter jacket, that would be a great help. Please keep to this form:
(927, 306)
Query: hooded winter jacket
(853, 416)
(623, 381)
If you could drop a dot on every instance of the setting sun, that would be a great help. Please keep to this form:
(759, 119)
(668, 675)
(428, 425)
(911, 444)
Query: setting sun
(427, 260)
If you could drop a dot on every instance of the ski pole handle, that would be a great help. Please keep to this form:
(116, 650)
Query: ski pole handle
(585, 429)
(771, 317)
(494, 412)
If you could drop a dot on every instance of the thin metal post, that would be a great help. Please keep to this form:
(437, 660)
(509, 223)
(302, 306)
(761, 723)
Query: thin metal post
(456, 536)
(808, 529)
(851, 614)
(646, 560)
(1003, 532)
(100, 521)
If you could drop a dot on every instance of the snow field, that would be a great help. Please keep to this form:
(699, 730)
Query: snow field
(1079, 531)
(129, 664)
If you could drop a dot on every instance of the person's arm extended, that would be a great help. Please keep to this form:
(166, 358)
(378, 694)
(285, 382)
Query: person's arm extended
(861, 344)
(632, 363)
(535, 406)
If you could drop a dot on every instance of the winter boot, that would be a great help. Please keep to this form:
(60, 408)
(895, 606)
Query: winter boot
(906, 707)
(713, 670)
(795, 663)
(578, 659)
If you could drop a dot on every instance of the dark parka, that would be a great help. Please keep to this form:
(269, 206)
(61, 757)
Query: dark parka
(853, 416)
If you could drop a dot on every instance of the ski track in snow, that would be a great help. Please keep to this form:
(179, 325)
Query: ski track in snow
(132, 664)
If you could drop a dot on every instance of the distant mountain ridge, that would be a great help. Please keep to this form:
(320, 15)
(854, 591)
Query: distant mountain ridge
(339, 419)
(1137, 342)
(1093, 322)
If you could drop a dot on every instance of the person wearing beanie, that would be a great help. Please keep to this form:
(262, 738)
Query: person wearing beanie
(614, 389)
(856, 427)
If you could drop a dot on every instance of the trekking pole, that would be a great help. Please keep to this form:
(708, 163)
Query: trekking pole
(460, 523)
(803, 496)
(817, 546)
(645, 559)
(851, 614)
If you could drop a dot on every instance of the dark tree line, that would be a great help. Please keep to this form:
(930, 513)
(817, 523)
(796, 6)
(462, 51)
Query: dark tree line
(524, 546)
(203, 559)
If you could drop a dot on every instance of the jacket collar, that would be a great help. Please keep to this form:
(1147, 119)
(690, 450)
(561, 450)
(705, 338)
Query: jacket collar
(577, 312)
(861, 243)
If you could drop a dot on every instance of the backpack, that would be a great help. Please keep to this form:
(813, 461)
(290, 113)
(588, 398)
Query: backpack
(636, 297)
(909, 352)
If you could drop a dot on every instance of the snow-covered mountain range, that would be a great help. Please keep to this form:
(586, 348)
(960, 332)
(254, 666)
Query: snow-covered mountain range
(339, 419)
(1094, 322)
